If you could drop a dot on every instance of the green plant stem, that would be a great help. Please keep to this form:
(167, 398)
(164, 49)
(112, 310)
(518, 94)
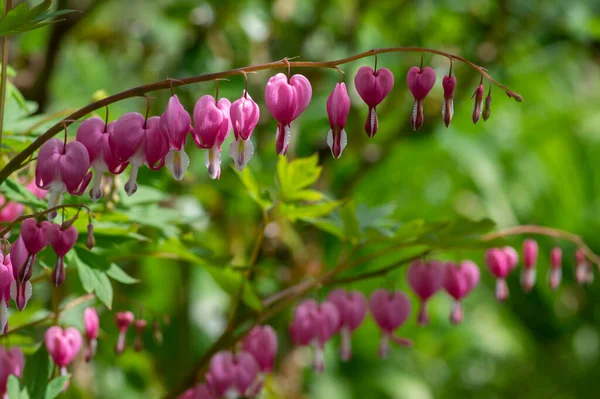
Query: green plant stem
(17, 162)
(3, 78)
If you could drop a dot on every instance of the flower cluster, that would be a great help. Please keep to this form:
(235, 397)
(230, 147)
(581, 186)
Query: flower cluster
(241, 374)
(10, 210)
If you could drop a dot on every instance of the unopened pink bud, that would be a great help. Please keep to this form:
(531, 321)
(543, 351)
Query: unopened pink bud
(449, 85)
(478, 103)
(338, 107)
(555, 274)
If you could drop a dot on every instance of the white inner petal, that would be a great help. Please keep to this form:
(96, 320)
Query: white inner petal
(213, 162)
(177, 162)
(241, 151)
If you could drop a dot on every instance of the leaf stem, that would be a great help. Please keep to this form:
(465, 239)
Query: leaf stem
(17, 162)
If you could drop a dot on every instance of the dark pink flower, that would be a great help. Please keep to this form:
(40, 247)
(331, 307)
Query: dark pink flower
(449, 84)
(425, 279)
(338, 107)
(35, 190)
(477, 104)
(91, 323)
(33, 237)
(200, 391)
(286, 99)
(373, 87)
(63, 346)
(6, 280)
(420, 84)
(555, 274)
(460, 280)
(390, 310)
(314, 324)
(232, 375)
(176, 124)
(11, 363)
(123, 320)
(244, 114)
(20, 292)
(530, 254)
(94, 134)
(500, 263)
(137, 141)
(352, 307)
(211, 128)
(62, 168)
(61, 239)
(9, 211)
(261, 342)
(581, 268)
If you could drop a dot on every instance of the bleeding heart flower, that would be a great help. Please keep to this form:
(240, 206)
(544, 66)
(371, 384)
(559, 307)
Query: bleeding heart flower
(91, 323)
(35, 190)
(211, 128)
(460, 280)
(123, 320)
(244, 114)
(373, 87)
(12, 362)
(390, 310)
(500, 263)
(6, 279)
(425, 279)
(94, 134)
(477, 104)
(338, 107)
(449, 85)
(232, 375)
(487, 108)
(420, 84)
(62, 168)
(581, 268)
(352, 307)
(34, 239)
(200, 391)
(137, 141)
(286, 100)
(176, 123)
(314, 324)
(61, 239)
(530, 254)
(261, 342)
(20, 292)
(63, 346)
(555, 274)
(139, 326)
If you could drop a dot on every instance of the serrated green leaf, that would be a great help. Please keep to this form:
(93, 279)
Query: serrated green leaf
(297, 175)
(118, 274)
(249, 181)
(36, 373)
(13, 387)
(22, 18)
(15, 191)
(295, 212)
(55, 386)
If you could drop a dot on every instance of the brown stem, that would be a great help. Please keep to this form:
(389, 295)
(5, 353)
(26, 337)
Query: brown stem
(20, 158)
(42, 213)
(545, 231)
(3, 78)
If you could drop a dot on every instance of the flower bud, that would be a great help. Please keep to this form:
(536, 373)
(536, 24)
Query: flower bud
(487, 107)
(530, 254)
(449, 85)
(555, 274)
(157, 332)
(478, 95)
(338, 107)
(90, 241)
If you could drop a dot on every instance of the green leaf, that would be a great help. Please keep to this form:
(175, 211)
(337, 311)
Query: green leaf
(94, 280)
(332, 226)
(13, 387)
(36, 373)
(118, 274)
(249, 181)
(308, 212)
(229, 280)
(349, 221)
(15, 191)
(56, 386)
(21, 18)
(295, 176)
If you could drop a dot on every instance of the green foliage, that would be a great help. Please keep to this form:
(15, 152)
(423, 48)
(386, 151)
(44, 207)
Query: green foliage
(15, 191)
(22, 18)
(37, 373)
(55, 386)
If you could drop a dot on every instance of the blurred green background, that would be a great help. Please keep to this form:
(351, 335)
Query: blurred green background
(535, 162)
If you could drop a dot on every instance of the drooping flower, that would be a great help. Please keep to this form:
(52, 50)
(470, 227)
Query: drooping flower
(390, 310)
(34, 238)
(176, 124)
(261, 342)
(425, 279)
(139, 326)
(91, 323)
(211, 128)
(500, 263)
(460, 280)
(530, 254)
(20, 292)
(200, 391)
(123, 320)
(449, 85)
(338, 107)
(90, 241)
(373, 87)
(583, 270)
(244, 114)
(420, 82)
(314, 324)
(6, 279)
(137, 141)
(63, 346)
(478, 103)
(94, 134)
(232, 376)
(61, 239)
(286, 99)
(62, 168)
(555, 274)
(12, 362)
(352, 307)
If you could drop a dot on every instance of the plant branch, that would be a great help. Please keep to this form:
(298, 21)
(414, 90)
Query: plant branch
(42, 213)
(20, 158)
(3, 78)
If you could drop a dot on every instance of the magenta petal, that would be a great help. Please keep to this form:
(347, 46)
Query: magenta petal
(373, 87)
(60, 240)
(90, 134)
(209, 120)
(389, 309)
(157, 145)
(420, 82)
(74, 167)
(426, 279)
(175, 122)
(127, 136)
(244, 114)
(281, 99)
(303, 93)
(47, 167)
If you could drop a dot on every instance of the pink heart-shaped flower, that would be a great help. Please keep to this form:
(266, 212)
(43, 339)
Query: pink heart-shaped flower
(420, 82)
